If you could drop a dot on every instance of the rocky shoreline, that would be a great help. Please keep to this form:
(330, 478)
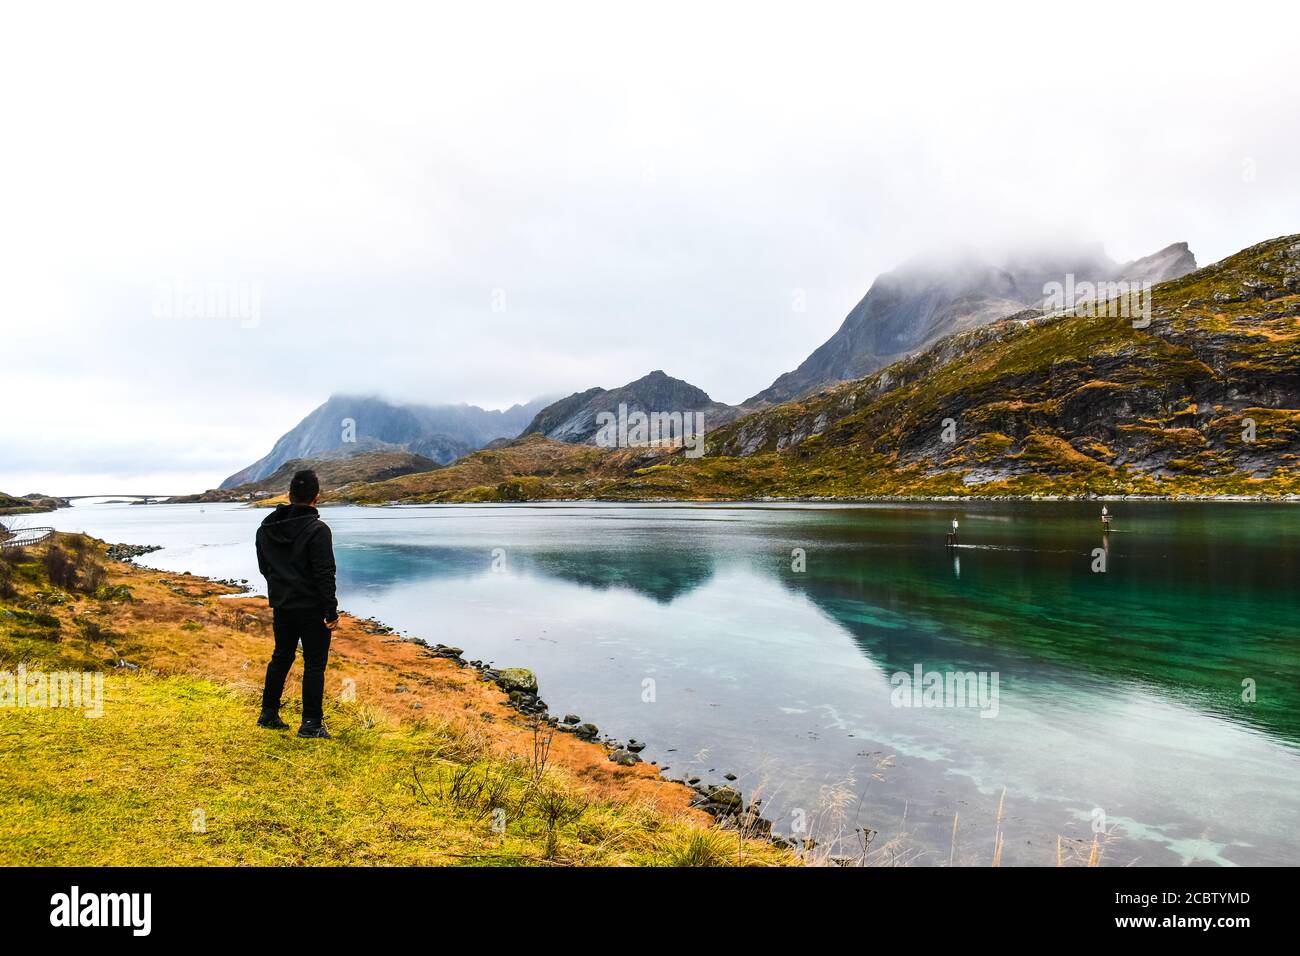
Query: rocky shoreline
(724, 803)
(127, 553)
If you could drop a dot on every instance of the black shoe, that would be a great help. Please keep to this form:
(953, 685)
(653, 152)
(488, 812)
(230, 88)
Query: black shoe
(313, 729)
(271, 721)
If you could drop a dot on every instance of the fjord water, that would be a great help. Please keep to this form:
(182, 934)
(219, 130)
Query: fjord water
(1152, 704)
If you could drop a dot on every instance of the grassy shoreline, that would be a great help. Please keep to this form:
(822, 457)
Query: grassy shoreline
(429, 764)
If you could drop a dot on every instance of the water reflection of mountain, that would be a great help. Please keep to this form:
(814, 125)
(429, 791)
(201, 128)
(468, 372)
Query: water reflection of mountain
(1190, 633)
(1189, 621)
(371, 566)
(662, 575)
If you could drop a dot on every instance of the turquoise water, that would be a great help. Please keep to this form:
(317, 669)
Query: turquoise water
(1153, 704)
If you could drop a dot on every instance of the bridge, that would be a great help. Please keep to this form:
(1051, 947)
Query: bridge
(141, 497)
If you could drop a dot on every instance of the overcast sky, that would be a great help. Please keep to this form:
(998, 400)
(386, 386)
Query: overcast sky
(486, 206)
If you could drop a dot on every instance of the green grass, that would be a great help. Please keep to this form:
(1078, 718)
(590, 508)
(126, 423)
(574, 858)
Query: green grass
(175, 772)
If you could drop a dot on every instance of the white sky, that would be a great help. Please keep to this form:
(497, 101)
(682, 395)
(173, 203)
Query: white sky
(646, 185)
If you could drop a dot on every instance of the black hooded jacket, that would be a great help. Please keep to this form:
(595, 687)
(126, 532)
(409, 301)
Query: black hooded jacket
(295, 553)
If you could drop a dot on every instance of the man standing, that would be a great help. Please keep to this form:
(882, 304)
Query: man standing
(295, 552)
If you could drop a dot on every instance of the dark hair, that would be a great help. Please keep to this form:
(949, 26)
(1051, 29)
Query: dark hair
(304, 488)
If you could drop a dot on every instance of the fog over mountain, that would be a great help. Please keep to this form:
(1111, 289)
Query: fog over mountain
(933, 296)
(481, 206)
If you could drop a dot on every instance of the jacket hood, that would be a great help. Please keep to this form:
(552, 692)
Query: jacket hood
(287, 522)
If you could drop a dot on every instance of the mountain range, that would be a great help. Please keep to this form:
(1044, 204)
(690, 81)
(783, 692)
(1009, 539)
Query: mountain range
(1200, 396)
(904, 311)
(955, 374)
(442, 434)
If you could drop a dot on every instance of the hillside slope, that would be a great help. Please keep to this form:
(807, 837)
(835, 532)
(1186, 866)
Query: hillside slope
(530, 467)
(10, 505)
(29, 504)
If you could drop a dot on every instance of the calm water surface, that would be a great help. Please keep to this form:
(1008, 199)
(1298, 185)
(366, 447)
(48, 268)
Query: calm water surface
(1123, 699)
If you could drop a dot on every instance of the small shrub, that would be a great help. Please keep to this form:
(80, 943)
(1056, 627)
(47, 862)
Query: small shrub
(59, 566)
(71, 565)
(114, 592)
(8, 590)
(95, 632)
(33, 624)
(707, 848)
(557, 810)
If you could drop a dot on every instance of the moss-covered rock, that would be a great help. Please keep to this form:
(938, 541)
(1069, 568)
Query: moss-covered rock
(517, 679)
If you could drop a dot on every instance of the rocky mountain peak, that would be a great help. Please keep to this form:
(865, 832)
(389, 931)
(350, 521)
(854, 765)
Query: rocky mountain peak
(929, 297)
(574, 419)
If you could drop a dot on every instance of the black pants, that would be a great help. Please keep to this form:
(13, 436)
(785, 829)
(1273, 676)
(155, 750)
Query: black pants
(290, 627)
